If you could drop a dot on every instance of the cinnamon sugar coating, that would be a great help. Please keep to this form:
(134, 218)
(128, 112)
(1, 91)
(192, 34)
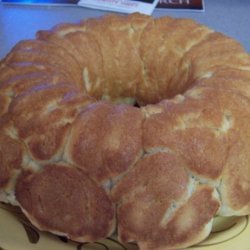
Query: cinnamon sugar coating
(126, 124)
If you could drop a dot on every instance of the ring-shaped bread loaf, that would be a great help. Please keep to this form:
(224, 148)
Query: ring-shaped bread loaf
(126, 124)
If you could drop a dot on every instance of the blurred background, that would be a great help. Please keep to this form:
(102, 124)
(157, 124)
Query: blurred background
(18, 22)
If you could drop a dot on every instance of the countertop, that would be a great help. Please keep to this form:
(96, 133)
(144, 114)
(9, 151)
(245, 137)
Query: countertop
(18, 22)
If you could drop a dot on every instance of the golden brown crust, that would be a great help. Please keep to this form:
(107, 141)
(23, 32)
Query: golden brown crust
(39, 50)
(45, 134)
(89, 57)
(164, 39)
(11, 157)
(228, 78)
(235, 188)
(114, 36)
(13, 80)
(59, 196)
(185, 227)
(166, 167)
(105, 140)
(143, 201)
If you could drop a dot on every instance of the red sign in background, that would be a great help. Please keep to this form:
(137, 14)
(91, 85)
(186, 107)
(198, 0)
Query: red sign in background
(181, 4)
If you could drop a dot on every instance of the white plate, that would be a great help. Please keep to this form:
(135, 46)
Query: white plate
(16, 233)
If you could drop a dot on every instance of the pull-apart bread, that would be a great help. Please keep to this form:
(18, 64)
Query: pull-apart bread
(127, 125)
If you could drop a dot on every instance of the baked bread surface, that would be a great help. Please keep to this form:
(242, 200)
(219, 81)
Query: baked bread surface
(126, 124)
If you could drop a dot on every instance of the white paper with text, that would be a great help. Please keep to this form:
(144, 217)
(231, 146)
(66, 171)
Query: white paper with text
(124, 6)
